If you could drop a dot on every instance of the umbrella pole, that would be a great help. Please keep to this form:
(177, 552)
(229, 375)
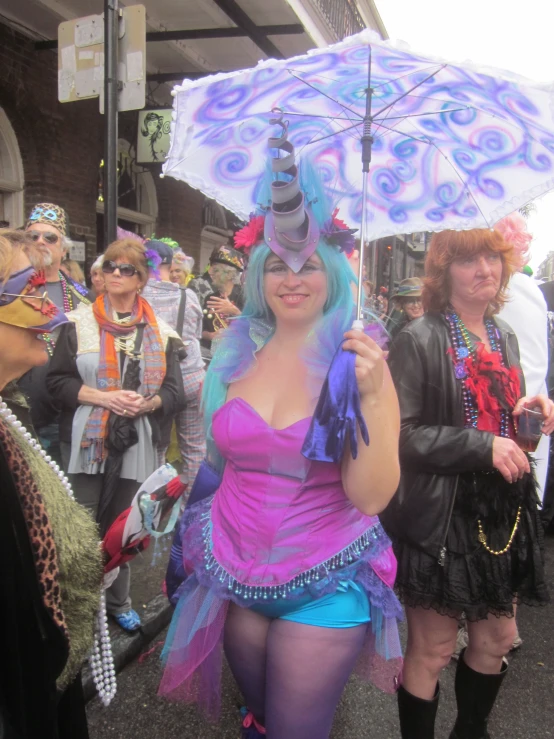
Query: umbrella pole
(367, 142)
(360, 296)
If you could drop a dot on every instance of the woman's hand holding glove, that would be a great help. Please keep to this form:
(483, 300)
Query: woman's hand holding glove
(370, 363)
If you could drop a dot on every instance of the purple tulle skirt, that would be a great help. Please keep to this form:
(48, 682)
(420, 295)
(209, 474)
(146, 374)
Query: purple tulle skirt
(192, 654)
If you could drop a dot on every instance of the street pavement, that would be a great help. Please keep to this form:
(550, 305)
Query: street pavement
(525, 708)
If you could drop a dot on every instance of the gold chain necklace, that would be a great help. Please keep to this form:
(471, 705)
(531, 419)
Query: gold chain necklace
(483, 537)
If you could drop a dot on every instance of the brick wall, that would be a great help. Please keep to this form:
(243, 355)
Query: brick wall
(61, 147)
(180, 214)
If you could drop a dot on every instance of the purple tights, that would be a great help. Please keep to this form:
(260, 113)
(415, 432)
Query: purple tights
(291, 675)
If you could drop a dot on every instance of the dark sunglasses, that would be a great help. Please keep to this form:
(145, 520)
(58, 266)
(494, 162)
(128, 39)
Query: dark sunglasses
(125, 270)
(48, 236)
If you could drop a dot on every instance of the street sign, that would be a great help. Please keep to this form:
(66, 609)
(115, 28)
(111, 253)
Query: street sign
(77, 251)
(81, 59)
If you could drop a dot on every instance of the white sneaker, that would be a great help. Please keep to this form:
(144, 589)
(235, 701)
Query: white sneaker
(461, 642)
(518, 641)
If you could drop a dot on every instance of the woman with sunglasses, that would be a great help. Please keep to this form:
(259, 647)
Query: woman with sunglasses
(51, 574)
(47, 226)
(96, 358)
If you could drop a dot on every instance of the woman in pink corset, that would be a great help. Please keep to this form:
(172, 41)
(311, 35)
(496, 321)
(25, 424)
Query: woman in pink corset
(286, 564)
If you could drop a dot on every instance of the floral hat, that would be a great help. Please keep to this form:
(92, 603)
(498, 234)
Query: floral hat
(227, 255)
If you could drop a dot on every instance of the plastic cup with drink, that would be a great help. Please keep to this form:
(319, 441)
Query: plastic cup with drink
(529, 429)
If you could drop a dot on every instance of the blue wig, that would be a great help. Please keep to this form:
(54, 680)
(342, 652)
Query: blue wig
(236, 350)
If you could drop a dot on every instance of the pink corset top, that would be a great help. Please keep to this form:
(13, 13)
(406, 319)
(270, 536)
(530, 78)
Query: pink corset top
(277, 515)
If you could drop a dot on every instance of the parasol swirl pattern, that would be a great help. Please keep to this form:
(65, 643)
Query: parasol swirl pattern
(455, 146)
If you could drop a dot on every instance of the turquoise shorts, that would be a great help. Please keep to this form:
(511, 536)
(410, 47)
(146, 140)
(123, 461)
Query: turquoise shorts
(343, 609)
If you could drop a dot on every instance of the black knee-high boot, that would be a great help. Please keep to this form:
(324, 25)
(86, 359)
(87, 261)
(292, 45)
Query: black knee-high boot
(475, 696)
(417, 715)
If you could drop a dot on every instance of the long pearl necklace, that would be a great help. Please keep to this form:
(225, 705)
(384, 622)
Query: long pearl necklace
(101, 658)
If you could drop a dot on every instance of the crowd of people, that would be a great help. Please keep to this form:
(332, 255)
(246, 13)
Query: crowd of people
(306, 533)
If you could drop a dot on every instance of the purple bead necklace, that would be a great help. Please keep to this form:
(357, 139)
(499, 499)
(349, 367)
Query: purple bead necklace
(463, 348)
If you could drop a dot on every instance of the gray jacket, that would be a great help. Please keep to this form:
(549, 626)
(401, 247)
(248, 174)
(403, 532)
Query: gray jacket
(164, 297)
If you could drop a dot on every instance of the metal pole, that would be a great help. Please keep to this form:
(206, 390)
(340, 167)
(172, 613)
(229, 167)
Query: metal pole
(360, 295)
(367, 141)
(392, 267)
(111, 32)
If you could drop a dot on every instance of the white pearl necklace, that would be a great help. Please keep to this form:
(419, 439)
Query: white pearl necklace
(101, 658)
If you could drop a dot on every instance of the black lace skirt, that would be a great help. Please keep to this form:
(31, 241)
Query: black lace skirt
(472, 580)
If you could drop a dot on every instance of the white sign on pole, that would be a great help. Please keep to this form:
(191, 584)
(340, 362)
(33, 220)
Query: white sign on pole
(77, 251)
(81, 59)
(89, 31)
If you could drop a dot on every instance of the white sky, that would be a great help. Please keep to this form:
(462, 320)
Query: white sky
(510, 34)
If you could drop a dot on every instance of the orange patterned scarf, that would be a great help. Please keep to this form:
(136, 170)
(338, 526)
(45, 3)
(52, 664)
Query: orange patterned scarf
(109, 376)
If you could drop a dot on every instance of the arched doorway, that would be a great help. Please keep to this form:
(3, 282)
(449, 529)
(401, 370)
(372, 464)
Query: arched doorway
(137, 208)
(11, 176)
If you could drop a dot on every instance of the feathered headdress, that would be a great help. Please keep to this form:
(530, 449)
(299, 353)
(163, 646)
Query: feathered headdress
(153, 260)
(166, 240)
(124, 234)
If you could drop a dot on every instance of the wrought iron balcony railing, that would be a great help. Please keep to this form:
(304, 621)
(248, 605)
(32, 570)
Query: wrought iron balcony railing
(342, 15)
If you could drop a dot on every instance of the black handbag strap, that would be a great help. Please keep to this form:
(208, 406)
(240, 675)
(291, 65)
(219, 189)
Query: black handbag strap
(134, 358)
(181, 313)
(138, 340)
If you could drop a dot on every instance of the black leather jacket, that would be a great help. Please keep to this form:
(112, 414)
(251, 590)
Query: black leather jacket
(434, 445)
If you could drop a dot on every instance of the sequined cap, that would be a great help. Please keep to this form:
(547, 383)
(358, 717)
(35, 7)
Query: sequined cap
(50, 214)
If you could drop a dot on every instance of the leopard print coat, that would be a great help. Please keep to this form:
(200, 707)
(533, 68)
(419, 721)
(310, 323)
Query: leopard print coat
(38, 527)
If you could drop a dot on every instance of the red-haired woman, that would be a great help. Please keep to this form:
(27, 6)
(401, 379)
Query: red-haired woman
(464, 521)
